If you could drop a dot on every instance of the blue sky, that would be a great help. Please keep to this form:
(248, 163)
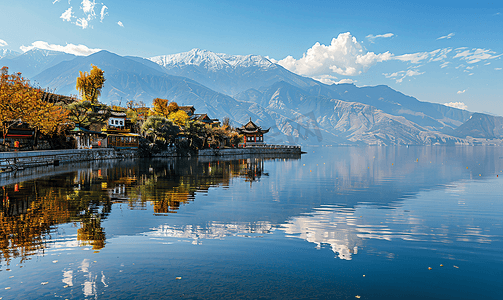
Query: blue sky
(438, 51)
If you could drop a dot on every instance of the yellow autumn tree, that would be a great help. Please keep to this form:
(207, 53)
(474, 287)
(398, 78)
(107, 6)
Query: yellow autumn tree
(179, 117)
(90, 84)
(173, 107)
(160, 107)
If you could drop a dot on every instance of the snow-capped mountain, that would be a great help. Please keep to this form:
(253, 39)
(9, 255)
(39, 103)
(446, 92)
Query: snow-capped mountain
(211, 61)
(228, 74)
(6, 53)
(34, 61)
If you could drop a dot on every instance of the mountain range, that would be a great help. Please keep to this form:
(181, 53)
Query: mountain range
(298, 109)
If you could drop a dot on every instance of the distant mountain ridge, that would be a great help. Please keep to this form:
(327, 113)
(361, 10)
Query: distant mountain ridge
(431, 116)
(32, 62)
(299, 110)
(481, 126)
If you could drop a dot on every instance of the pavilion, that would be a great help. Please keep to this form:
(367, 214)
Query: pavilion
(253, 134)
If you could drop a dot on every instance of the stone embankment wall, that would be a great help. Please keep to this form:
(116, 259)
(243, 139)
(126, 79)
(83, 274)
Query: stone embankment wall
(252, 150)
(10, 161)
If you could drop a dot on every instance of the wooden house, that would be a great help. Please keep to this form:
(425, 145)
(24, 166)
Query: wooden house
(204, 118)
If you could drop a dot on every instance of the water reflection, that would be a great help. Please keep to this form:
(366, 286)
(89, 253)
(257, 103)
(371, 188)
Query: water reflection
(242, 224)
(332, 226)
(30, 211)
(431, 217)
(212, 231)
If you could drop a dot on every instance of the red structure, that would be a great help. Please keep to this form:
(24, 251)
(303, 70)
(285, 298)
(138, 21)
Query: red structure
(253, 134)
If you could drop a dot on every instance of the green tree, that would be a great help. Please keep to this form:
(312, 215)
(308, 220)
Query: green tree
(90, 85)
(196, 133)
(160, 130)
(86, 113)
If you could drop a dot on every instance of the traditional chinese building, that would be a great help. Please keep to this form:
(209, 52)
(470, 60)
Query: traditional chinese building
(116, 121)
(85, 138)
(204, 118)
(253, 134)
(118, 132)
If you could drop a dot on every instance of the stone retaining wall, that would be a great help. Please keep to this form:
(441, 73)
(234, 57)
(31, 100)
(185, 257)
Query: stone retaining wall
(10, 161)
(251, 150)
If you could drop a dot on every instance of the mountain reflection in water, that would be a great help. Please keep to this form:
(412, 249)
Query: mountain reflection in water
(303, 227)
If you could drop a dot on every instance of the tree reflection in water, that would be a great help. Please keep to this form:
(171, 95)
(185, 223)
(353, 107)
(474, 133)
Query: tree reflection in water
(30, 211)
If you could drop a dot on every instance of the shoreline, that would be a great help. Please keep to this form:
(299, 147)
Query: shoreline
(11, 162)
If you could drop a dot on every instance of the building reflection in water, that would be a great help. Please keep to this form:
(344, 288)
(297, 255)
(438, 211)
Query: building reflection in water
(31, 211)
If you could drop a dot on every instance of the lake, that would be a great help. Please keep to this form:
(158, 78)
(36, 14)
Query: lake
(334, 223)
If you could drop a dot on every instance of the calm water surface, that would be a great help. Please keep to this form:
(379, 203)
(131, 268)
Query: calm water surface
(336, 223)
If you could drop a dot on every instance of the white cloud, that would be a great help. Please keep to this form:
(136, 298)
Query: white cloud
(88, 7)
(346, 80)
(497, 69)
(371, 37)
(120, 24)
(82, 23)
(103, 13)
(443, 65)
(401, 75)
(3, 43)
(450, 35)
(459, 105)
(476, 55)
(326, 79)
(461, 92)
(442, 54)
(67, 15)
(80, 50)
(87, 14)
(344, 56)
(55, 1)
(415, 58)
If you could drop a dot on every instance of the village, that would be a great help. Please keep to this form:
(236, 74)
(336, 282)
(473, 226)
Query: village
(35, 123)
